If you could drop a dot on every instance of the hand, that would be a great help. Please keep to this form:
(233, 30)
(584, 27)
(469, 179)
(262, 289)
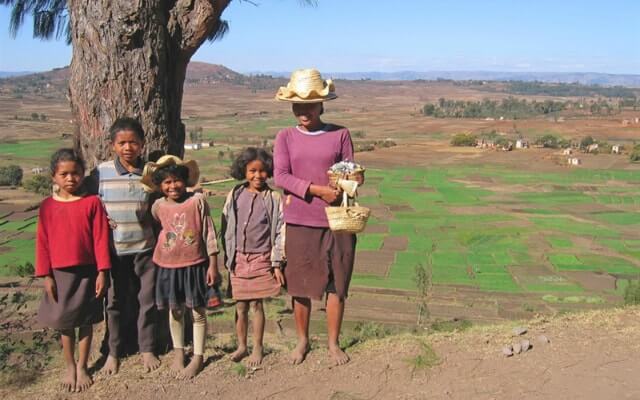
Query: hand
(112, 223)
(277, 273)
(51, 289)
(101, 284)
(326, 193)
(213, 276)
(359, 178)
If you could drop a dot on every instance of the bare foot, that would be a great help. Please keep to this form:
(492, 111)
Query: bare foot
(239, 354)
(256, 357)
(178, 360)
(150, 362)
(194, 367)
(83, 380)
(68, 383)
(300, 352)
(338, 356)
(111, 366)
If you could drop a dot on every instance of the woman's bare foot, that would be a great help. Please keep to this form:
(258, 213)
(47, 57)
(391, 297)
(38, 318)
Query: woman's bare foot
(239, 354)
(300, 352)
(68, 383)
(178, 360)
(194, 367)
(256, 357)
(338, 356)
(150, 362)
(83, 380)
(111, 366)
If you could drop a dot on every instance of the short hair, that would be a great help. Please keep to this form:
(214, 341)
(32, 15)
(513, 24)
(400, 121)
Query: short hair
(65, 154)
(239, 166)
(179, 171)
(126, 124)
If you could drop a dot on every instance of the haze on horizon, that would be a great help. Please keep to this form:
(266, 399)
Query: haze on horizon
(411, 35)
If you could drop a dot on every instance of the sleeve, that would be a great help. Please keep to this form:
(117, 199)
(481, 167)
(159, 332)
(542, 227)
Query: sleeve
(347, 146)
(101, 236)
(208, 229)
(224, 225)
(43, 256)
(282, 169)
(277, 252)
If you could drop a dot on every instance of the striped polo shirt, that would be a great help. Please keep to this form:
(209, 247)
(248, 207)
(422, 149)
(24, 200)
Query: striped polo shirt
(127, 205)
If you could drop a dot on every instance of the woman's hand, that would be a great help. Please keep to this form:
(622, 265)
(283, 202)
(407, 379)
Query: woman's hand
(213, 276)
(277, 273)
(101, 284)
(326, 193)
(51, 289)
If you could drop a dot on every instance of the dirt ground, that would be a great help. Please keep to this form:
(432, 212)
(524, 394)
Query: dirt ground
(590, 355)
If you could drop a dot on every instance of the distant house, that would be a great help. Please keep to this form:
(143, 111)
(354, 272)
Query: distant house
(574, 161)
(206, 144)
(37, 170)
(636, 120)
(626, 122)
(616, 149)
(193, 146)
(592, 148)
(567, 152)
(522, 144)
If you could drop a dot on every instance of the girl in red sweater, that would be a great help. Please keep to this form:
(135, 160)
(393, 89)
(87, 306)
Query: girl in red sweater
(72, 254)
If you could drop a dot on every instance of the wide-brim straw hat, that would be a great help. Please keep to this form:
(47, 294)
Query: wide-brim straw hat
(307, 86)
(151, 167)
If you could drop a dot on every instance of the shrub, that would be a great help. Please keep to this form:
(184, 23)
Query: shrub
(464, 139)
(549, 141)
(632, 293)
(40, 184)
(10, 175)
(586, 142)
(634, 156)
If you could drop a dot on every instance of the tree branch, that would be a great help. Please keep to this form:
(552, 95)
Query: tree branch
(191, 22)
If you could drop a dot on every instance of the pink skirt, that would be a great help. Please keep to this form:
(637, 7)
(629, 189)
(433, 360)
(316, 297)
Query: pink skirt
(252, 277)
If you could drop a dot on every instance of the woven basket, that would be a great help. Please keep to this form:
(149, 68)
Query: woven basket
(352, 176)
(347, 219)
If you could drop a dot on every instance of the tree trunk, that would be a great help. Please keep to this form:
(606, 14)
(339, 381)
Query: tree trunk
(130, 59)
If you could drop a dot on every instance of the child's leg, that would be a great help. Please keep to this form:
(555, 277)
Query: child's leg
(242, 321)
(83, 380)
(145, 270)
(176, 327)
(258, 333)
(199, 316)
(301, 314)
(68, 339)
(335, 312)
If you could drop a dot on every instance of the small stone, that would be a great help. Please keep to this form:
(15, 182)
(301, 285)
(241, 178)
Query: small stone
(507, 351)
(517, 348)
(526, 345)
(519, 331)
(543, 339)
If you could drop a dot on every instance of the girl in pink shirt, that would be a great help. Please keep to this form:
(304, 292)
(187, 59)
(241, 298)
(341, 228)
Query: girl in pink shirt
(185, 253)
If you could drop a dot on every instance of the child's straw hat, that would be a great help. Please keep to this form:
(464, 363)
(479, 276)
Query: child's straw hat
(307, 86)
(151, 167)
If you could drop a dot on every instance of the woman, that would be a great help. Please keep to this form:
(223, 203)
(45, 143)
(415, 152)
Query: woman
(319, 262)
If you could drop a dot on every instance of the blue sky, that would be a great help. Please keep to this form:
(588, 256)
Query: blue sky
(420, 35)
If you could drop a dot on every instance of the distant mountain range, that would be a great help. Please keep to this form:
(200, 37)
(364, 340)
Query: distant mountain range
(9, 74)
(585, 78)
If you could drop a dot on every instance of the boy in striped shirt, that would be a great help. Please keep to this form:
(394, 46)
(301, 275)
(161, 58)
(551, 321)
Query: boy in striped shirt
(133, 241)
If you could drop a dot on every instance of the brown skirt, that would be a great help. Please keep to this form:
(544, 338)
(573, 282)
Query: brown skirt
(252, 277)
(77, 304)
(318, 261)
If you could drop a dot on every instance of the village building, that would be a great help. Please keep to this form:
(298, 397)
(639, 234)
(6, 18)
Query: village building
(37, 170)
(522, 144)
(616, 149)
(193, 146)
(567, 152)
(574, 161)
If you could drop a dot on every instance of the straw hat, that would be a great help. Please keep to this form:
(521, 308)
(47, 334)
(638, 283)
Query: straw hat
(151, 167)
(307, 86)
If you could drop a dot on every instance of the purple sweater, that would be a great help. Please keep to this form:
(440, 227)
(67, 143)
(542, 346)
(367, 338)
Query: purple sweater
(301, 159)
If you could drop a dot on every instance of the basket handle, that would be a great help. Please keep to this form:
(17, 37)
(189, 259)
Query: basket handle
(345, 197)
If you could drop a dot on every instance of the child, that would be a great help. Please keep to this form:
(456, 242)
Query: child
(72, 254)
(133, 273)
(251, 227)
(186, 254)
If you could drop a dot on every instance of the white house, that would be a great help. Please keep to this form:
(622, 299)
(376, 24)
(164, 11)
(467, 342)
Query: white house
(592, 148)
(574, 161)
(567, 152)
(37, 170)
(192, 146)
(522, 144)
(616, 149)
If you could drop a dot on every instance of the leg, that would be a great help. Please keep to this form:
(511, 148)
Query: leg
(199, 315)
(301, 314)
(147, 316)
(258, 333)
(335, 312)
(242, 320)
(117, 299)
(83, 381)
(68, 339)
(176, 327)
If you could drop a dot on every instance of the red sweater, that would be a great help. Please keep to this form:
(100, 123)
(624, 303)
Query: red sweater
(72, 233)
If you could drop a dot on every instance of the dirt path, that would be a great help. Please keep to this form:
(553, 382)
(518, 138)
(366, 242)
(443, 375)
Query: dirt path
(591, 355)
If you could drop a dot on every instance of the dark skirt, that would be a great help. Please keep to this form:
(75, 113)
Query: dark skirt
(179, 287)
(77, 305)
(318, 261)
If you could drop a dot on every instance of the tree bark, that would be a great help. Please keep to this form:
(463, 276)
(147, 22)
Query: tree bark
(130, 59)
